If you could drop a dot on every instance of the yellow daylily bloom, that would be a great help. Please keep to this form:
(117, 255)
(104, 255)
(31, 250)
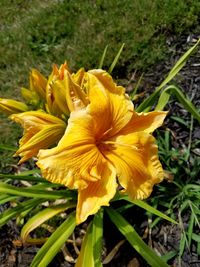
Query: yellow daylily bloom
(30, 97)
(64, 94)
(37, 90)
(38, 83)
(104, 141)
(41, 130)
(10, 106)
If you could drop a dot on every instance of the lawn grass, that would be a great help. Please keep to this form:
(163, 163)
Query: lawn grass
(38, 33)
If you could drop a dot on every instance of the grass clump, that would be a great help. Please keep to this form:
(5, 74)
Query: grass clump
(36, 33)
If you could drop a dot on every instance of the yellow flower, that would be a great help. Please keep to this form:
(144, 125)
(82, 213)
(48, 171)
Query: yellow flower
(107, 139)
(64, 94)
(41, 130)
(10, 106)
(37, 90)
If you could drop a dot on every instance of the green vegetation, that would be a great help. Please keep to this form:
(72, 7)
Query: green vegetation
(35, 34)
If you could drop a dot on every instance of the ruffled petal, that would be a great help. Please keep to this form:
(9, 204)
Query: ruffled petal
(144, 122)
(110, 108)
(107, 81)
(135, 157)
(41, 130)
(76, 160)
(42, 139)
(96, 194)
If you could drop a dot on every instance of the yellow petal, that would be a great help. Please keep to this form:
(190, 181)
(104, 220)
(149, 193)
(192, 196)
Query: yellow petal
(10, 106)
(54, 105)
(135, 157)
(30, 96)
(41, 130)
(96, 194)
(144, 122)
(38, 83)
(107, 81)
(75, 97)
(43, 139)
(78, 77)
(76, 160)
(58, 98)
(59, 89)
(110, 108)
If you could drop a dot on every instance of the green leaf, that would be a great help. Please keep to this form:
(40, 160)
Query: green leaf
(133, 93)
(190, 229)
(149, 208)
(54, 242)
(198, 248)
(91, 248)
(116, 59)
(187, 104)
(182, 244)
(41, 217)
(179, 65)
(125, 207)
(6, 198)
(103, 57)
(163, 100)
(13, 212)
(35, 193)
(8, 148)
(97, 237)
(33, 171)
(135, 240)
(169, 255)
(196, 237)
(20, 177)
(86, 257)
(180, 120)
(148, 102)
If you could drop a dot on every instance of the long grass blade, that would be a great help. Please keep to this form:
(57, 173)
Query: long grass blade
(116, 59)
(148, 102)
(41, 217)
(149, 208)
(35, 193)
(179, 65)
(19, 177)
(86, 257)
(54, 242)
(187, 104)
(13, 212)
(103, 57)
(135, 240)
(6, 198)
(134, 92)
(97, 235)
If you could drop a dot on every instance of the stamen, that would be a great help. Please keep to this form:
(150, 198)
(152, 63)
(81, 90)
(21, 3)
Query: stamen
(120, 144)
(105, 133)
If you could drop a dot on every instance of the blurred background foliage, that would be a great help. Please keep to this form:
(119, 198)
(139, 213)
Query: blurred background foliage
(38, 33)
